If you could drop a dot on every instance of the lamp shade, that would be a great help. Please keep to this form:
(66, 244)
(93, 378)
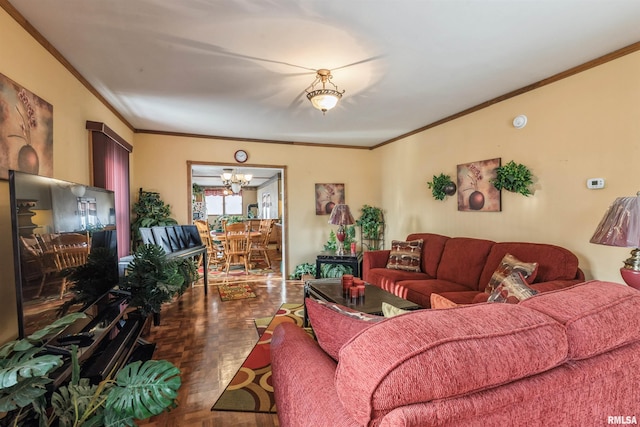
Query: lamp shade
(341, 215)
(620, 225)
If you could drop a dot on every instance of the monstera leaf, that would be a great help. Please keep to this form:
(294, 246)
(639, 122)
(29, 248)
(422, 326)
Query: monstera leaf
(144, 389)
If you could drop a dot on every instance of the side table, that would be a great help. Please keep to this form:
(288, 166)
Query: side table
(352, 260)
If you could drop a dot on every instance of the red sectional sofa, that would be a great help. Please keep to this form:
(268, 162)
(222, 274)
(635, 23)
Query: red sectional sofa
(561, 358)
(459, 268)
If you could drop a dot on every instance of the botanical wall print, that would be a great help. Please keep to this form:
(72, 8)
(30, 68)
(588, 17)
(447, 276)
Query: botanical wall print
(26, 131)
(327, 196)
(475, 191)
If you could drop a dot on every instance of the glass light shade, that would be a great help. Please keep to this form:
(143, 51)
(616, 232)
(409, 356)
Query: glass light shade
(78, 190)
(235, 187)
(248, 177)
(324, 99)
(226, 176)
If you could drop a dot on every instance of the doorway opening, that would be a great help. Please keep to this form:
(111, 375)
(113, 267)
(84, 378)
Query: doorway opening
(253, 192)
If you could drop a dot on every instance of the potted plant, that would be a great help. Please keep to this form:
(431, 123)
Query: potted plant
(371, 224)
(349, 236)
(198, 192)
(152, 279)
(442, 186)
(138, 391)
(188, 268)
(514, 177)
(304, 269)
(150, 211)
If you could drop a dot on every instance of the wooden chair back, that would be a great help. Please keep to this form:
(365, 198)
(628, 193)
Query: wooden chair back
(237, 246)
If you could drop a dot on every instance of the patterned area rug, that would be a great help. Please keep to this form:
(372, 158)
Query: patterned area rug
(251, 389)
(234, 291)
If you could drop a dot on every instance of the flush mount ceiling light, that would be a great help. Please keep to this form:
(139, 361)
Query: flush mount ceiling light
(323, 99)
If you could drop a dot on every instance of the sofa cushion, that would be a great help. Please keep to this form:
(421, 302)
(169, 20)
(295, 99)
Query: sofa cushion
(432, 247)
(419, 291)
(554, 262)
(507, 265)
(334, 324)
(599, 316)
(438, 302)
(389, 310)
(512, 289)
(427, 355)
(405, 256)
(463, 260)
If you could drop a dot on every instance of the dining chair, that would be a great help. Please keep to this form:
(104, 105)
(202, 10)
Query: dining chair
(215, 251)
(260, 244)
(237, 246)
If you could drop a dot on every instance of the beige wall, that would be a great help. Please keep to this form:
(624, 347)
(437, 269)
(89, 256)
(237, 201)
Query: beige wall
(582, 127)
(162, 162)
(27, 63)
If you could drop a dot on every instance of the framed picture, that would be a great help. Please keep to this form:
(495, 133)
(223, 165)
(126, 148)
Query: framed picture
(475, 191)
(26, 131)
(327, 196)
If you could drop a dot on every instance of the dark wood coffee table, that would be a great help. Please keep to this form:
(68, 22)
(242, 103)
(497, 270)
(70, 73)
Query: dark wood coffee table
(330, 290)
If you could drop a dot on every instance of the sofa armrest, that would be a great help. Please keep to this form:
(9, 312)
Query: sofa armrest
(374, 259)
(302, 373)
(554, 284)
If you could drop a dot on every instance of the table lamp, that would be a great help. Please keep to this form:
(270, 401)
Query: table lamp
(621, 227)
(341, 216)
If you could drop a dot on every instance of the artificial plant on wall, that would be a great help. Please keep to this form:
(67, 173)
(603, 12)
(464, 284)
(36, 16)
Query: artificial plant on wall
(442, 186)
(514, 177)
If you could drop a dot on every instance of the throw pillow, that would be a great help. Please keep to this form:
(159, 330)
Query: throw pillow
(334, 324)
(438, 302)
(389, 310)
(508, 265)
(513, 289)
(405, 255)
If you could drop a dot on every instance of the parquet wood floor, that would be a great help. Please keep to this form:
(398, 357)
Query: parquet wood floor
(208, 340)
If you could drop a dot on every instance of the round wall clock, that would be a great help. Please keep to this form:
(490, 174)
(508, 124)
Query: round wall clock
(241, 156)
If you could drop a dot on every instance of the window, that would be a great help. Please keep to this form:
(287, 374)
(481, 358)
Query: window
(220, 204)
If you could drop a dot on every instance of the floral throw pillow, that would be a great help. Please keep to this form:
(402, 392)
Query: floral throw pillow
(512, 290)
(405, 255)
(508, 265)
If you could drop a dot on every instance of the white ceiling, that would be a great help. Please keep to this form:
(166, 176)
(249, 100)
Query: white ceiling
(209, 175)
(239, 68)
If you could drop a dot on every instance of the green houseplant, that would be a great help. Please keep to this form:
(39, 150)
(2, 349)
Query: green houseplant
(349, 236)
(514, 177)
(152, 279)
(303, 269)
(139, 390)
(371, 223)
(441, 186)
(150, 211)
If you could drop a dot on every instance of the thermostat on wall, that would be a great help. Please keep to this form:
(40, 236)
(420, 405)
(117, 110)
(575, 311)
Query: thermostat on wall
(594, 183)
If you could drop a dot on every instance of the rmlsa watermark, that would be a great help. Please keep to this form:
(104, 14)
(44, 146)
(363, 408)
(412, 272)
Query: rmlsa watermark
(622, 419)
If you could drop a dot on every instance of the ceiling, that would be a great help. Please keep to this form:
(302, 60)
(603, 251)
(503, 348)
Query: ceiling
(208, 175)
(238, 69)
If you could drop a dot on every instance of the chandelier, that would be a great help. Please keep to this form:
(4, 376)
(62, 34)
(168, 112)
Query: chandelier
(323, 99)
(235, 181)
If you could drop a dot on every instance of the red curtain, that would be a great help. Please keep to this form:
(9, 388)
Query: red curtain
(110, 155)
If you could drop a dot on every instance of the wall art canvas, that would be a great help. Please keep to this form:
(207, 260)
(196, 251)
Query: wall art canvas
(327, 196)
(26, 131)
(475, 191)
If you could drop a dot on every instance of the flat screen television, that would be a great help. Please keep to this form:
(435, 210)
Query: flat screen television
(44, 211)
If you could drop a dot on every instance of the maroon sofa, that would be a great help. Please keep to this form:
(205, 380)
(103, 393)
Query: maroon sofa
(459, 268)
(560, 358)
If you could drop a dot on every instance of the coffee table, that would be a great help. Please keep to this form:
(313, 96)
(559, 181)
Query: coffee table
(330, 290)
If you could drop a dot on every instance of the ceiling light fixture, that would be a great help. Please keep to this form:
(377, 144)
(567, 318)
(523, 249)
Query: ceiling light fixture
(235, 181)
(323, 99)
